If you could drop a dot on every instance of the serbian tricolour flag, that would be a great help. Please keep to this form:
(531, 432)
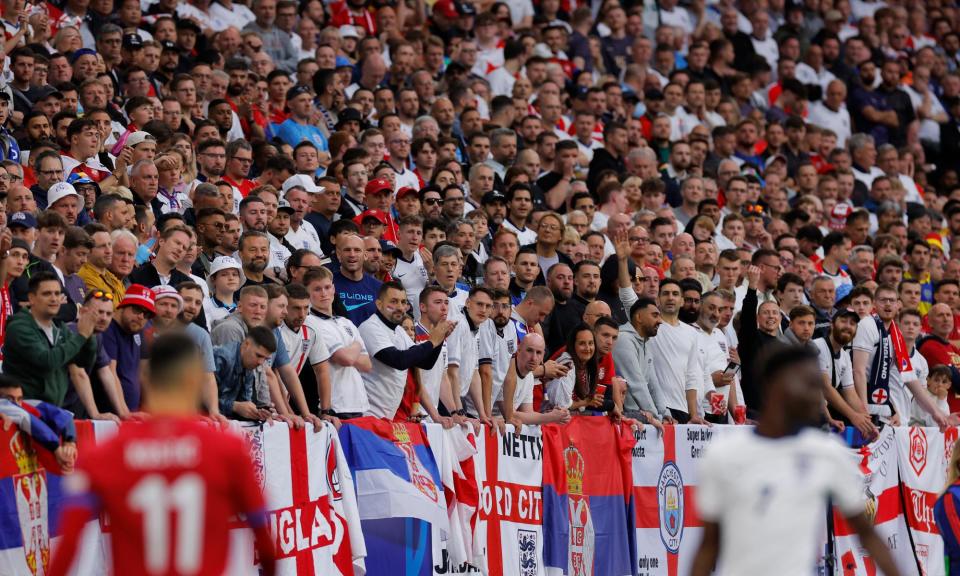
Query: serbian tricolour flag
(587, 498)
(30, 496)
(395, 473)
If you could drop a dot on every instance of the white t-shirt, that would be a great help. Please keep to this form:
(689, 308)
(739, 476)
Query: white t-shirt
(413, 275)
(522, 394)
(473, 348)
(348, 394)
(867, 338)
(714, 357)
(432, 379)
(501, 82)
(839, 369)
(405, 179)
(676, 363)
(305, 345)
(384, 384)
(505, 348)
(838, 121)
(769, 497)
(907, 406)
(305, 237)
(524, 237)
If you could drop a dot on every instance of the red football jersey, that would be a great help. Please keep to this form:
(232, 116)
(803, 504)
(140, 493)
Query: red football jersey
(169, 488)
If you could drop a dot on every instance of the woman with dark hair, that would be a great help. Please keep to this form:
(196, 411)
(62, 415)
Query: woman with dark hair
(577, 390)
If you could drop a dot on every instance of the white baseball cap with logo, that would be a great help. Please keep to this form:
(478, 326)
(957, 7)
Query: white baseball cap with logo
(303, 181)
(223, 263)
(59, 191)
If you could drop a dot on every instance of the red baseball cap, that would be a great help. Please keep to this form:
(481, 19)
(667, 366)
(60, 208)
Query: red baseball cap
(377, 185)
(139, 295)
(376, 214)
(407, 190)
(447, 9)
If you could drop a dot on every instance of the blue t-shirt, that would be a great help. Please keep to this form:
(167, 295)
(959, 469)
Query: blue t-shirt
(357, 297)
(293, 133)
(127, 350)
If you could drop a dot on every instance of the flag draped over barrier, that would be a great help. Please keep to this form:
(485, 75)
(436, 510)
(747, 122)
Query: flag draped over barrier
(587, 498)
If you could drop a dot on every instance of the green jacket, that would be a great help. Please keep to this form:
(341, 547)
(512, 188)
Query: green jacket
(41, 368)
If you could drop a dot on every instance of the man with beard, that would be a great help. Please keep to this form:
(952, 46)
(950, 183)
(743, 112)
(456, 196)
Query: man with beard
(869, 109)
(431, 202)
(393, 352)
(212, 159)
(122, 342)
(716, 392)
(843, 404)
(494, 206)
(568, 313)
(356, 289)
(897, 101)
(210, 225)
(675, 354)
(692, 291)
(162, 270)
(611, 156)
(254, 249)
(80, 399)
(939, 351)
(644, 397)
(373, 263)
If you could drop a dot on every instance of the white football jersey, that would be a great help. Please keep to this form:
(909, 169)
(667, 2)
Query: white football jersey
(769, 497)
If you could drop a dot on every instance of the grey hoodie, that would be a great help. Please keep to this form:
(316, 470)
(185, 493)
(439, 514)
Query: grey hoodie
(633, 363)
(790, 338)
(229, 329)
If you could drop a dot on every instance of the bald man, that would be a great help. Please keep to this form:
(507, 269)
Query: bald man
(517, 403)
(594, 310)
(937, 349)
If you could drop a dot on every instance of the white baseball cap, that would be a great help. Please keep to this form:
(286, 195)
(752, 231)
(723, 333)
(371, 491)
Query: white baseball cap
(139, 137)
(303, 181)
(223, 263)
(59, 191)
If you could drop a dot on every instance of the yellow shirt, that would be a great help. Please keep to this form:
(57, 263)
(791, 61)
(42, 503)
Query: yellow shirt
(105, 282)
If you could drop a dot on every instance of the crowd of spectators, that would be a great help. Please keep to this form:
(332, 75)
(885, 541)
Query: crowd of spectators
(477, 211)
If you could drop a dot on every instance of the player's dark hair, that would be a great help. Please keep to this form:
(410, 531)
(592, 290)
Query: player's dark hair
(168, 354)
(778, 359)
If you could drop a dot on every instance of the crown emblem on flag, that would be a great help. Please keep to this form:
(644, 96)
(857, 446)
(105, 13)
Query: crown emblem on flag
(401, 433)
(574, 466)
(23, 453)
